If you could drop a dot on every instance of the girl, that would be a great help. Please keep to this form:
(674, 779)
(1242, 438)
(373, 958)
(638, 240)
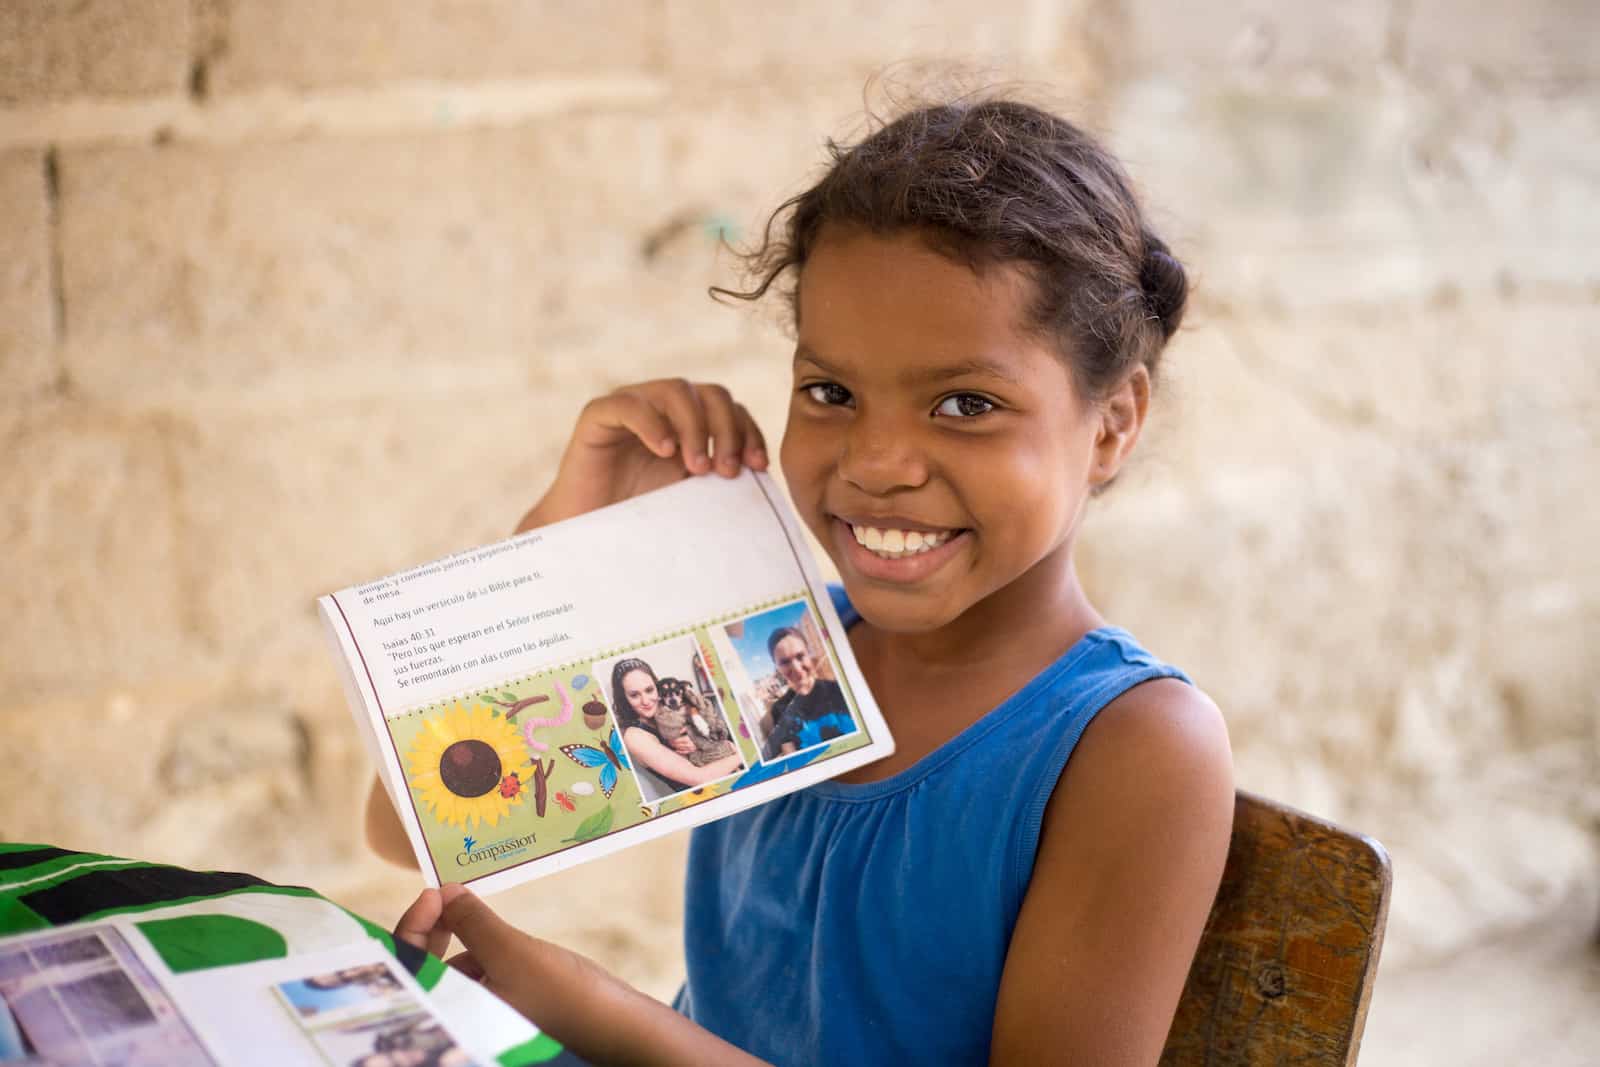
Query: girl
(980, 309)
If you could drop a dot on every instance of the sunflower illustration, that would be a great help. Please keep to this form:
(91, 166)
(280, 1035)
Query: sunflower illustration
(461, 762)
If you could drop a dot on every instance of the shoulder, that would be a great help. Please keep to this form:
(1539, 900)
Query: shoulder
(1147, 793)
(1161, 724)
(636, 737)
(1161, 749)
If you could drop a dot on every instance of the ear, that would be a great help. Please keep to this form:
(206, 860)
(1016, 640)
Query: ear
(1122, 415)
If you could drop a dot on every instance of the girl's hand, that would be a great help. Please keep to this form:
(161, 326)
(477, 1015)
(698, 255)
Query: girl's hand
(683, 745)
(596, 1015)
(645, 436)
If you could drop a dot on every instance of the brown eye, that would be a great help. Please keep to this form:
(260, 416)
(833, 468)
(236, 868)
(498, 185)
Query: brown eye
(829, 394)
(964, 406)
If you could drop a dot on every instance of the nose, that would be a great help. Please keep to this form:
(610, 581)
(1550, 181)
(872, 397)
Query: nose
(881, 456)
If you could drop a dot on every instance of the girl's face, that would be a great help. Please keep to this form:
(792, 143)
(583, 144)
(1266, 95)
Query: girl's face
(937, 450)
(640, 689)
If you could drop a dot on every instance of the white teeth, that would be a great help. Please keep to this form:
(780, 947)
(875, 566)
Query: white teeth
(897, 544)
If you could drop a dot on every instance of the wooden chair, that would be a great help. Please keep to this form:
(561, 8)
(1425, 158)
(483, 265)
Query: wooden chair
(1285, 966)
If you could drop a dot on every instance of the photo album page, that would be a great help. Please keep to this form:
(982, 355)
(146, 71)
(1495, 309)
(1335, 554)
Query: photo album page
(256, 979)
(588, 685)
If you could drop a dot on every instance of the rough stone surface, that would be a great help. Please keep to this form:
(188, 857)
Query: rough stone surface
(54, 51)
(309, 45)
(266, 266)
(1245, 39)
(94, 586)
(1548, 42)
(848, 40)
(1307, 198)
(27, 327)
(1508, 999)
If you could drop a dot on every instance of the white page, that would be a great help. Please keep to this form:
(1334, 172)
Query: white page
(253, 1025)
(101, 992)
(663, 575)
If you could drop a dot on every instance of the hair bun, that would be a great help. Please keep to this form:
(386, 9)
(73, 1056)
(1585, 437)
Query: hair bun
(1165, 285)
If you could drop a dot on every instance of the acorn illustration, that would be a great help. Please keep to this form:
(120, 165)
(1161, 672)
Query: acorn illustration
(594, 714)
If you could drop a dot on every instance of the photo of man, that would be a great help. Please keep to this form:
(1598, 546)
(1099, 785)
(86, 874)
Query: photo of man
(811, 710)
(786, 680)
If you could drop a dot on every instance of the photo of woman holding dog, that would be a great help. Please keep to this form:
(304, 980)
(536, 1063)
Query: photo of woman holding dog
(676, 737)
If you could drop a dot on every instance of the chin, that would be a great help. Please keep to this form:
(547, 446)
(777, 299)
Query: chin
(900, 611)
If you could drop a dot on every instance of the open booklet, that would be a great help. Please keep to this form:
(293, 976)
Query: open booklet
(227, 971)
(568, 692)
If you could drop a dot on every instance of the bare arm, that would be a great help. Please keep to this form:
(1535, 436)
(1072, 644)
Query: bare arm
(385, 835)
(1130, 855)
(647, 749)
(597, 1015)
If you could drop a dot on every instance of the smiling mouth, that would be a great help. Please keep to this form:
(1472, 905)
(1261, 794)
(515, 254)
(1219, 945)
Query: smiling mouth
(891, 543)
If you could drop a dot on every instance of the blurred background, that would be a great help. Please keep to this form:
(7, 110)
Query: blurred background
(295, 294)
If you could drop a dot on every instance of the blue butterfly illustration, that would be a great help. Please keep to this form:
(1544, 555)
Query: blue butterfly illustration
(609, 758)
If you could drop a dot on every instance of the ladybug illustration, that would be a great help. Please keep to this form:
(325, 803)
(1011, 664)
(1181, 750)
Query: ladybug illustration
(510, 785)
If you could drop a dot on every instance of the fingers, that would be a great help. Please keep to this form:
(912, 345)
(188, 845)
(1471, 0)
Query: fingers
(700, 422)
(633, 413)
(684, 409)
(755, 445)
(484, 934)
(420, 925)
(727, 432)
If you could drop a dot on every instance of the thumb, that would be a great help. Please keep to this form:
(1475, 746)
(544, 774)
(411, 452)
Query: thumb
(506, 960)
(419, 925)
(487, 936)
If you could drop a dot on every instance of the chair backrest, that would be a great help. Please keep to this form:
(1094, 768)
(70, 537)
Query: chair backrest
(1284, 969)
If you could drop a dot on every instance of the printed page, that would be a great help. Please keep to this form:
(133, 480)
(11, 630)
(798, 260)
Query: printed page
(98, 994)
(83, 995)
(652, 665)
(347, 1005)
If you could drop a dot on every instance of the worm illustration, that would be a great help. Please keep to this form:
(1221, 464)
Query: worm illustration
(530, 725)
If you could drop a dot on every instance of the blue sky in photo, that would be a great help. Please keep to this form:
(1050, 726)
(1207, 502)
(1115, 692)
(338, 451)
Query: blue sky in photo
(752, 647)
(318, 1001)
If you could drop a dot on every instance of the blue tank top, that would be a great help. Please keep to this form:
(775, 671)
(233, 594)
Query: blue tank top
(869, 923)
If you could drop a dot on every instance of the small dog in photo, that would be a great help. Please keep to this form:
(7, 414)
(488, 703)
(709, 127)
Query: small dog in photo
(684, 711)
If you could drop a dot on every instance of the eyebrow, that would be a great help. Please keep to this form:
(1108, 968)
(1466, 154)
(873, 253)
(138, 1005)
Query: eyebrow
(928, 375)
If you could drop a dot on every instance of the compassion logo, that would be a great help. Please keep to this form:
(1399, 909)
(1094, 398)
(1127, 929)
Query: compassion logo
(472, 853)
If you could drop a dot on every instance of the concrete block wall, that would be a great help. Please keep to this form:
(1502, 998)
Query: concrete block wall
(296, 294)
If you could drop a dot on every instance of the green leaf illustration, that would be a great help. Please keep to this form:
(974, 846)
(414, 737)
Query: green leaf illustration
(592, 827)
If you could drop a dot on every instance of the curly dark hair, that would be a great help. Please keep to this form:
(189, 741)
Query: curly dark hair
(991, 181)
